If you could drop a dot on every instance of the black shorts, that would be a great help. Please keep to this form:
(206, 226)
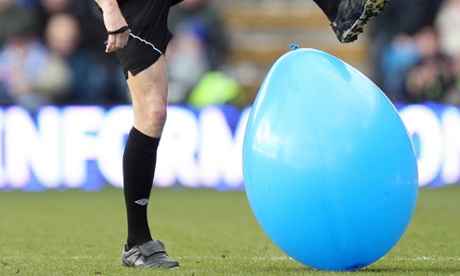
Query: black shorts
(148, 21)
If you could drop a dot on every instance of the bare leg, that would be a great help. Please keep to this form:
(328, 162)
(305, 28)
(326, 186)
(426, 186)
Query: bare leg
(149, 91)
(149, 96)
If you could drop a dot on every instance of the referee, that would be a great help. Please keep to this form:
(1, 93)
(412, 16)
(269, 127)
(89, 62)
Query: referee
(138, 34)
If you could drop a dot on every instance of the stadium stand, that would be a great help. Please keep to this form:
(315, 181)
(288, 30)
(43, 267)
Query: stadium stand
(262, 30)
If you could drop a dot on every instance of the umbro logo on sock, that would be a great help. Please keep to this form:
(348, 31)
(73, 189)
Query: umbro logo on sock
(142, 201)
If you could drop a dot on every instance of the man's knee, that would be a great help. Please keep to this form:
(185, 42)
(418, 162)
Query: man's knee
(157, 115)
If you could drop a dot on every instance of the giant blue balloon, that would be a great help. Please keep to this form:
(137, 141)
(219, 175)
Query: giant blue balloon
(330, 170)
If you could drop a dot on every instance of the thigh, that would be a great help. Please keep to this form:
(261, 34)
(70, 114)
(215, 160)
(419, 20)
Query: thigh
(149, 94)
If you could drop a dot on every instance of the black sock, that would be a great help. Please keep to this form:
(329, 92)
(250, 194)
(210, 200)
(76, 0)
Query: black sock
(139, 160)
(329, 8)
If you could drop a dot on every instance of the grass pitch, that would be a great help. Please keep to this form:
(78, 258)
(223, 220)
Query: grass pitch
(208, 232)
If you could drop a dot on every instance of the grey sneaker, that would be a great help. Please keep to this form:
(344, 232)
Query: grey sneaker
(352, 15)
(151, 254)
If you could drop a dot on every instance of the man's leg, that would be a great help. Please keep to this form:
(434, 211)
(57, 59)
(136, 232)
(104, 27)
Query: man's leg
(149, 96)
(348, 17)
(175, 2)
(329, 8)
(148, 92)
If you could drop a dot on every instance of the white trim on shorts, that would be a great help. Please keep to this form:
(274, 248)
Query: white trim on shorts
(146, 42)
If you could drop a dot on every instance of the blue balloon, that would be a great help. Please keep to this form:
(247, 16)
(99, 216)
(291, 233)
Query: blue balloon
(329, 168)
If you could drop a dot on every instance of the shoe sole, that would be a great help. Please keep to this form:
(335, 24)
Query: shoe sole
(371, 9)
(127, 264)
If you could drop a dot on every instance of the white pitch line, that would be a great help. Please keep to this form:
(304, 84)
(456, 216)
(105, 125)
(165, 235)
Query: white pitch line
(426, 258)
(268, 258)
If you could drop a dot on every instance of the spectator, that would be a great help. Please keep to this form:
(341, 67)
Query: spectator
(397, 57)
(90, 79)
(187, 61)
(30, 76)
(195, 57)
(452, 95)
(393, 29)
(93, 32)
(62, 35)
(431, 76)
(207, 20)
(10, 13)
(217, 88)
(47, 8)
(448, 26)
(93, 35)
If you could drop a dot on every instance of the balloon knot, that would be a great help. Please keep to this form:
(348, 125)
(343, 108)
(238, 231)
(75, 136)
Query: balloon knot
(294, 47)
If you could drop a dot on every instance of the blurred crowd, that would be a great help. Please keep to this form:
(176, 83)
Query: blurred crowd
(416, 51)
(52, 52)
(196, 56)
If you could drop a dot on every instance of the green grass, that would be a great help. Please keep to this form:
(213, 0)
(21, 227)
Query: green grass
(208, 232)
